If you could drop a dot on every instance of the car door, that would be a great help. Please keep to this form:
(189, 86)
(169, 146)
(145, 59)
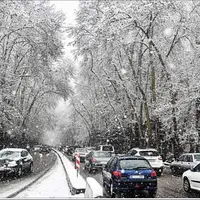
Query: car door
(187, 162)
(195, 177)
(180, 162)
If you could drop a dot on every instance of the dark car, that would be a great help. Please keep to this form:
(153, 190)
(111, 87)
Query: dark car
(128, 175)
(42, 148)
(96, 160)
(15, 161)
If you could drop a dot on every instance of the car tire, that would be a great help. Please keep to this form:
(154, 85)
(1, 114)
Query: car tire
(152, 193)
(112, 195)
(30, 169)
(90, 169)
(19, 171)
(174, 171)
(186, 185)
(104, 191)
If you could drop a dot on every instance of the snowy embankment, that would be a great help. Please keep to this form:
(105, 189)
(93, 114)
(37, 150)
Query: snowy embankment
(93, 189)
(76, 182)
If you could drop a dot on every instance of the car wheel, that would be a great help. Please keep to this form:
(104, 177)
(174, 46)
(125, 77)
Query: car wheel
(104, 191)
(30, 169)
(159, 173)
(90, 169)
(19, 171)
(111, 191)
(186, 185)
(152, 194)
(1, 177)
(174, 171)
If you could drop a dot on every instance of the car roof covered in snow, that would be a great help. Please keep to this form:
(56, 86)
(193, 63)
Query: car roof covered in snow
(145, 149)
(13, 149)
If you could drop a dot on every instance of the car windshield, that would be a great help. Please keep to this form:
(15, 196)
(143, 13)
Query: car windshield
(197, 157)
(9, 154)
(107, 148)
(102, 154)
(149, 153)
(134, 164)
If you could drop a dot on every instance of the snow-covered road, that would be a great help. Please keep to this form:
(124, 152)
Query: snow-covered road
(51, 185)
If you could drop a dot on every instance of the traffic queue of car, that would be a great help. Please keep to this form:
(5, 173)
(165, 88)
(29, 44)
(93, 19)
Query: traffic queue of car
(137, 170)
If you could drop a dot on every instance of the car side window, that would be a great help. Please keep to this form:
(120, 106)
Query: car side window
(188, 158)
(24, 153)
(113, 163)
(197, 168)
(109, 163)
(133, 152)
(182, 158)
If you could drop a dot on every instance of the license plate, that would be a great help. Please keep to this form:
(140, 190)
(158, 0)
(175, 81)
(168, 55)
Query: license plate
(137, 176)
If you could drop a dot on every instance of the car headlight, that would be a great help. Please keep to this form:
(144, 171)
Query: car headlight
(12, 164)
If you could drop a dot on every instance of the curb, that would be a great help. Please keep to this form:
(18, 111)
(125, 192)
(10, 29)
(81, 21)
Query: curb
(31, 183)
(73, 190)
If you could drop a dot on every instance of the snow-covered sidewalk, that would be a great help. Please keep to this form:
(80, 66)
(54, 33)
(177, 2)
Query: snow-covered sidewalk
(77, 182)
(51, 185)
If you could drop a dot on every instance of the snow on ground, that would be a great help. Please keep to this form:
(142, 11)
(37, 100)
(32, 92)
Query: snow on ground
(51, 185)
(78, 182)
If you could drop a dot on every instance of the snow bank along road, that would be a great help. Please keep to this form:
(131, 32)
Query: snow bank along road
(51, 183)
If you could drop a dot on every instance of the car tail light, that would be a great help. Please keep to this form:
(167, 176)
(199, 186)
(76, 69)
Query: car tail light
(117, 173)
(153, 174)
(94, 160)
(160, 158)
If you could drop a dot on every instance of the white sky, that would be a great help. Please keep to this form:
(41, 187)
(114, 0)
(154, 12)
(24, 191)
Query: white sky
(68, 7)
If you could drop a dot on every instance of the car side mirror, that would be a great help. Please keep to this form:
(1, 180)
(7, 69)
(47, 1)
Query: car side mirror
(192, 169)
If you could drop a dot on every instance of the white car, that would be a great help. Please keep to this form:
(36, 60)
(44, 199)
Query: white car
(152, 156)
(191, 179)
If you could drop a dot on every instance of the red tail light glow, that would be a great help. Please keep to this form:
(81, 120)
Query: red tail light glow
(94, 160)
(153, 174)
(117, 173)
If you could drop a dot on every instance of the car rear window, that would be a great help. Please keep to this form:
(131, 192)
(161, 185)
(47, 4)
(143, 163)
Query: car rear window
(197, 157)
(149, 153)
(107, 148)
(133, 164)
(102, 154)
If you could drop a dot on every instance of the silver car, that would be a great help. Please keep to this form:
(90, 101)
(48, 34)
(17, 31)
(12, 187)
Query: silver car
(96, 160)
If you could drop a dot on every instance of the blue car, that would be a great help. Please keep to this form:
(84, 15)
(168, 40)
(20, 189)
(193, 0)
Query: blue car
(124, 175)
